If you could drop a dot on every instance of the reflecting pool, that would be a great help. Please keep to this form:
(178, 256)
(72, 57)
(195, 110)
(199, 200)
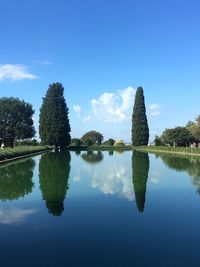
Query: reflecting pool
(100, 209)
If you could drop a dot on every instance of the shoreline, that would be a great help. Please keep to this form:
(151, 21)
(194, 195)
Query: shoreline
(157, 151)
(4, 161)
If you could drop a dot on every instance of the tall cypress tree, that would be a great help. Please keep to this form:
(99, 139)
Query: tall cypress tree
(54, 126)
(140, 129)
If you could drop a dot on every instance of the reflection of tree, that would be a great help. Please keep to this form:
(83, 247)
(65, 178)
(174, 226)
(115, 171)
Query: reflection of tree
(184, 163)
(140, 168)
(92, 157)
(77, 152)
(176, 163)
(16, 179)
(54, 169)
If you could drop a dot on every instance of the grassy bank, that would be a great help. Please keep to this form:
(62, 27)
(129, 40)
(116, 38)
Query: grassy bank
(173, 150)
(10, 153)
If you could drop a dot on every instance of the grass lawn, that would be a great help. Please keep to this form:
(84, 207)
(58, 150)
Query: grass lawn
(166, 149)
(9, 153)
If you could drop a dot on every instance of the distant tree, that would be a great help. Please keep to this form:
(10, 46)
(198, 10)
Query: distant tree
(158, 141)
(119, 143)
(75, 142)
(54, 169)
(28, 142)
(16, 121)
(92, 138)
(54, 126)
(16, 179)
(140, 129)
(140, 169)
(109, 142)
(178, 136)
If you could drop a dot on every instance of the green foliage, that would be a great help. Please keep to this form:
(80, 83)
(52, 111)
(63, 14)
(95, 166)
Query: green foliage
(140, 170)
(92, 157)
(27, 142)
(158, 141)
(54, 127)
(140, 129)
(16, 179)
(109, 142)
(194, 128)
(75, 142)
(16, 121)
(9, 153)
(54, 169)
(92, 138)
(178, 136)
(170, 149)
(119, 143)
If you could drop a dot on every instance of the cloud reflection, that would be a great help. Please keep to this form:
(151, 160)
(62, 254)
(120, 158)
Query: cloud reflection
(14, 215)
(112, 179)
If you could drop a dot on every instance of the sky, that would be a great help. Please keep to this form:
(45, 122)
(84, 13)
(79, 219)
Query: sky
(101, 51)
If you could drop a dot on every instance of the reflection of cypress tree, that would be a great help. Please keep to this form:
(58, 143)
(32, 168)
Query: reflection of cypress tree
(92, 157)
(54, 169)
(16, 179)
(140, 168)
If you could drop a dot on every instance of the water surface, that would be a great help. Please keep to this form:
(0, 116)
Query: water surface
(100, 209)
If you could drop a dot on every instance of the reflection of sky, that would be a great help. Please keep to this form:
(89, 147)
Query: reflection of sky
(14, 215)
(109, 176)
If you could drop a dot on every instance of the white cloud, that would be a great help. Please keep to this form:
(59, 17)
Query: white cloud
(15, 72)
(114, 107)
(14, 215)
(155, 110)
(87, 119)
(77, 109)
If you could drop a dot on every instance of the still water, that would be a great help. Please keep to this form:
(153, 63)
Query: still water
(100, 209)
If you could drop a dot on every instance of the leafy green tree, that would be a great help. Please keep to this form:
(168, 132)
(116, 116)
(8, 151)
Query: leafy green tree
(92, 157)
(16, 179)
(16, 121)
(158, 141)
(140, 170)
(178, 136)
(54, 126)
(119, 143)
(194, 128)
(140, 128)
(92, 138)
(54, 169)
(75, 142)
(109, 142)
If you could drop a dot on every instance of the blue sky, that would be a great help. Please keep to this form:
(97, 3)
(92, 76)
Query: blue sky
(101, 51)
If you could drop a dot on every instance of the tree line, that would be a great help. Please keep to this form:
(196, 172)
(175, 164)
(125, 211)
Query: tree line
(16, 122)
(181, 136)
